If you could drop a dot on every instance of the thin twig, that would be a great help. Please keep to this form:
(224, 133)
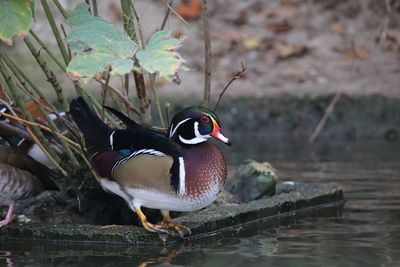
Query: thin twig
(61, 9)
(56, 32)
(126, 84)
(167, 106)
(167, 12)
(162, 129)
(152, 76)
(138, 25)
(129, 14)
(68, 48)
(105, 89)
(207, 56)
(176, 14)
(22, 78)
(235, 77)
(46, 152)
(128, 104)
(95, 10)
(38, 135)
(155, 98)
(50, 75)
(52, 125)
(41, 126)
(51, 55)
(325, 117)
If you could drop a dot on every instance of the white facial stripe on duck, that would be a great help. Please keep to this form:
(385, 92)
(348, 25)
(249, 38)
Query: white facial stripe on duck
(199, 138)
(173, 130)
(193, 131)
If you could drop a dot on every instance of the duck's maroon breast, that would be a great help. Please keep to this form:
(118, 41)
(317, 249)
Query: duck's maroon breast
(103, 162)
(205, 169)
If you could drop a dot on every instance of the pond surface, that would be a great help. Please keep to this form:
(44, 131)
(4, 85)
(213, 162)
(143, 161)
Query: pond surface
(365, 233)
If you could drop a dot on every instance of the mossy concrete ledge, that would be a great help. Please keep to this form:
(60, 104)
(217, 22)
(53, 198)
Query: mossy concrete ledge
(297, 200)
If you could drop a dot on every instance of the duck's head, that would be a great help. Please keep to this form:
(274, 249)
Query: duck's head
(194, 125)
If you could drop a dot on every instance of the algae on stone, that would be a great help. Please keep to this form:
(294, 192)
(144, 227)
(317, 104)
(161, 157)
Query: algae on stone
(252, 181)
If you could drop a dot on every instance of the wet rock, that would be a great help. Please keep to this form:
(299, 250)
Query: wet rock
(252, 181)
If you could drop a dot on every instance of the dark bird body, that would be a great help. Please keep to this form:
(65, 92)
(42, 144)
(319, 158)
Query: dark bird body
(179, 171)
(21, 177)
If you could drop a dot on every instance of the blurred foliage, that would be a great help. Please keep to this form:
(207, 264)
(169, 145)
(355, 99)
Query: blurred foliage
(92, 48)
(15, 19)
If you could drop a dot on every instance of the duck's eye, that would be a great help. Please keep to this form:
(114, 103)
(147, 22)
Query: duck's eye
(205, 119)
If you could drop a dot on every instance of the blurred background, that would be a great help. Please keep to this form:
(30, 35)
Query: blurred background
(320, 100)
(299, 56)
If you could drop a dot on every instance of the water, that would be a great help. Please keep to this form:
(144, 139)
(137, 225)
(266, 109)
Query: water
(365, 233)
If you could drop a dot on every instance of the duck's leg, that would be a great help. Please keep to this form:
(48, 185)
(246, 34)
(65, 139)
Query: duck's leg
(149, 226)
(8, 218)
(181, 229)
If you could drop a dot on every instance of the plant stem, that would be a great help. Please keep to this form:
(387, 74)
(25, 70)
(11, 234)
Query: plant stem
(129, 12)
(45, 128)
(51, 77)
(51, 55)
(207, 56)
(35, 133)
(22, 78)
(167, 12)
(55, 30)
(144, 105)
(126, 84)
(325, 117)
(152, 77)
(138, 27)
(95, 10)
(61, 9)
(128, 105)
(127, 19)
(105, 89)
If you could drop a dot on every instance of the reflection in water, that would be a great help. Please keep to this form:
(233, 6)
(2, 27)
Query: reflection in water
(366, 233)
(6, 257)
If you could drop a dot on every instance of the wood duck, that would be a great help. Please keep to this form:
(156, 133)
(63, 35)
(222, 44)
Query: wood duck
(21, 177)
(177, 171)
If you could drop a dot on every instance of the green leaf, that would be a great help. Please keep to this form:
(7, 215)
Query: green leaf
(97, 45)
(15, 19)
(161, 55)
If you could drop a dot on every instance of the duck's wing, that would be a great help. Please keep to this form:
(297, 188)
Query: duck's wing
(17, 184)
(151, 148)
(17, 159)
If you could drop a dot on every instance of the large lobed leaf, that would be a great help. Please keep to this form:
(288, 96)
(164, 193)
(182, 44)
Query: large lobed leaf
(15, 19)
(161, 55)
(97, 45)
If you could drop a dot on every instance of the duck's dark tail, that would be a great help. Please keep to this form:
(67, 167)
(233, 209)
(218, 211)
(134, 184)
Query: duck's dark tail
(96, 132)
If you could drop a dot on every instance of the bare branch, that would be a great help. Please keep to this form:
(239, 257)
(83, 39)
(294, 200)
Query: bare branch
(207, 56)
(325, 117)
(176, 14)
(235, 77)
(167, 12)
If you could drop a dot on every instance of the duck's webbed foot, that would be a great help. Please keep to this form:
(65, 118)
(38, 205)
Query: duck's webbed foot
(179, 228)
(166, 226)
